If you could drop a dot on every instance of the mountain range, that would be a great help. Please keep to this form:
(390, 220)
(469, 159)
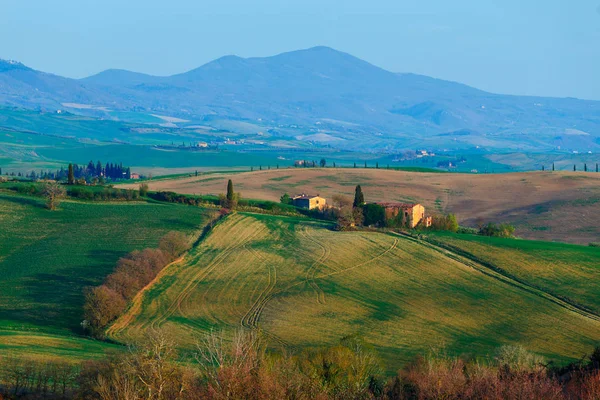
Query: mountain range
(321, 90)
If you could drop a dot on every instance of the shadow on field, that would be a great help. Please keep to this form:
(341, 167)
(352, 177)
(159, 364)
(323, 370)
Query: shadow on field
(106, 255)
(23, 201)
(57, 298)
(176, 224)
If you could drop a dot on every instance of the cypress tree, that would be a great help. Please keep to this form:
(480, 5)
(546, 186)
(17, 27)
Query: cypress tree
(365, 164)
(543, 168)
(552, 166)
(596, 167)
(377, 165)
(354, 165)
(359, 198)
(574, 167)
(71, 177)
(230, 193)
(98, 168)
(585, 167)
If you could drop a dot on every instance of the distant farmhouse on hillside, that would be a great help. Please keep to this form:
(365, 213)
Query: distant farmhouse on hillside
(414, 214)
(309, 201)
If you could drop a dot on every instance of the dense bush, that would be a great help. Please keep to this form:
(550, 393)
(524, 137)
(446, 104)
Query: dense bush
(467, 230)
(374, 215)
(502, 230)
(102, 194)
(444, 223)
(103, 304)
(172, 197)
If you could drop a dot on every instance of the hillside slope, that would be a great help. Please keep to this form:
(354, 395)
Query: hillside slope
(304, 285)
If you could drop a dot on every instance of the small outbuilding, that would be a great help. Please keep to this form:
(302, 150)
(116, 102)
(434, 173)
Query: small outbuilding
(414, 214)
(309, 201)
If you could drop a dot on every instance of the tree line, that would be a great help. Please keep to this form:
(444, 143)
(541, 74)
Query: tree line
(241, 367)
(104, 303)
(92, 172)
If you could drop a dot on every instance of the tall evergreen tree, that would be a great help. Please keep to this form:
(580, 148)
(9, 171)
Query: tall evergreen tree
(71, 177)
(98, 168)
(91, 170)
(359, 198)
(552, 166)
(585, 167)
(230, 193)
(574, 167)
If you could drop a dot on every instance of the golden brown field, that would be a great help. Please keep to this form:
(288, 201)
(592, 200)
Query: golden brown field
(562, 206)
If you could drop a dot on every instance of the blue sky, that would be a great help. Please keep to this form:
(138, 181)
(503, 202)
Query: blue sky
(533, 47)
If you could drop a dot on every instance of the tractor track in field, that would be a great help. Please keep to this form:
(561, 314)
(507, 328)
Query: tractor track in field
(311, 272)
(239, 266)
(199, 277)
(251, 318)
(471, 261)
(391, 248)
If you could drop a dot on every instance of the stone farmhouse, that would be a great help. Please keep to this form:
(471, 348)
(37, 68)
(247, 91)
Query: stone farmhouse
(309, 201)
(413, 213)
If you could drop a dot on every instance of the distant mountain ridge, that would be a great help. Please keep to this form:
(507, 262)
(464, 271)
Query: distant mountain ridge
(345, 95)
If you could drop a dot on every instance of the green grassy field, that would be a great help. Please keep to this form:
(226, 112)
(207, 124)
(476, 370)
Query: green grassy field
(48, 258)
(305, 285)
(568, 271)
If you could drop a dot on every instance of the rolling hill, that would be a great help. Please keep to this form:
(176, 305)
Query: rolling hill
(323, 91)
(304, 285)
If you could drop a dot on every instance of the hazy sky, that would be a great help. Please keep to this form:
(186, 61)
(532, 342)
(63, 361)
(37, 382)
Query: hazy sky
(535, 47)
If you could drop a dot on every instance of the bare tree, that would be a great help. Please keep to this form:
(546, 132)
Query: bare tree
(153, 365)
(341, 201)
(53, 192)
(174, 244)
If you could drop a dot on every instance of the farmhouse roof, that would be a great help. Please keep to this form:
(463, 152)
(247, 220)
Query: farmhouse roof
(396, 205)
(304, 196)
